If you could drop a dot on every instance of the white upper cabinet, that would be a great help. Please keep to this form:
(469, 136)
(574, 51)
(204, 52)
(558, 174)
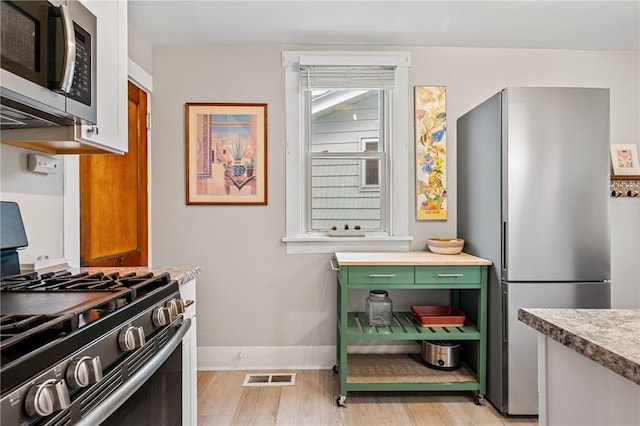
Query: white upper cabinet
(110, 131)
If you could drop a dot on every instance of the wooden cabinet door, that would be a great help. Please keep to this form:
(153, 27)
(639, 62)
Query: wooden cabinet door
(113, 197)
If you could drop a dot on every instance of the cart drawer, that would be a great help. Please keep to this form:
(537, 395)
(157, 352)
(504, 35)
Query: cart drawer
(387, 275)
(448, 274)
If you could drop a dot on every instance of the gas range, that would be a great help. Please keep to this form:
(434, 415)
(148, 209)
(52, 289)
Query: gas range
(70, 341)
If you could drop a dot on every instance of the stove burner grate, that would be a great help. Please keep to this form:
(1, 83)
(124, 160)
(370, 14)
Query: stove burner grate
(20, 334)
(65, 281)
(11, 325)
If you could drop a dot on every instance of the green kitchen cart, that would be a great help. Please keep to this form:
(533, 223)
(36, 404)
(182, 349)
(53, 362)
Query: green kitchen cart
(415, 272)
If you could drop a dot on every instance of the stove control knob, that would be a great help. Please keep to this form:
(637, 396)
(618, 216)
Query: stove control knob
(47, 397)
(131, 338)
(83, 372)
(176, 306)
(161, 316)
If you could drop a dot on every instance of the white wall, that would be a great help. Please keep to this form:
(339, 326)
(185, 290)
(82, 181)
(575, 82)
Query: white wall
(625, 253)
(39, 197)
(279, 309)
(139, 48)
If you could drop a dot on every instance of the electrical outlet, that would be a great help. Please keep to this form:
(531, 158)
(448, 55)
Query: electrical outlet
(42, 164)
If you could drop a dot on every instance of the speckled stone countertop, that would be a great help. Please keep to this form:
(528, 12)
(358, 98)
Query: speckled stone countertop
(178, 273)
(610, 337)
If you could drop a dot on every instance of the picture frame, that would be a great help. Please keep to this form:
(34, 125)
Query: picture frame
(624, 159)
(226, 153)
(430, 152)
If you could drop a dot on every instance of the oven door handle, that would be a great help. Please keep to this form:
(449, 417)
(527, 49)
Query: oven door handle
(116, 399)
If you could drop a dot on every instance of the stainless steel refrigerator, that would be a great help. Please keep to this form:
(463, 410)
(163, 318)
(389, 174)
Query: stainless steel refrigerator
(533, 197)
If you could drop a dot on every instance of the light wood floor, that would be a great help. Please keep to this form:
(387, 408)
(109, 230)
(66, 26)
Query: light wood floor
(222, 400)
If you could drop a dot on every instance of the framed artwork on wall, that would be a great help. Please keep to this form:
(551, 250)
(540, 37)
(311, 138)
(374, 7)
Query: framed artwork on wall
(624, 159)
(431, 152)
(226, 153)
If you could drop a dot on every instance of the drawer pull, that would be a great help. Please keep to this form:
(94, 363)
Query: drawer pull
(449, 275)
(382, 275)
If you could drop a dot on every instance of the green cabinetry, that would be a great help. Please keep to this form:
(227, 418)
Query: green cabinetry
(410, 271)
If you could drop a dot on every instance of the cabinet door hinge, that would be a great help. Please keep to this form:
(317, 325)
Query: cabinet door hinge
(148, 120)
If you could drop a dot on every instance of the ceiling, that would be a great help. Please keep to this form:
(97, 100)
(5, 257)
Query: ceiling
(578, 25)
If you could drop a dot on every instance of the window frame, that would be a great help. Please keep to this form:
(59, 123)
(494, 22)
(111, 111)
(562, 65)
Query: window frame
(298, 239)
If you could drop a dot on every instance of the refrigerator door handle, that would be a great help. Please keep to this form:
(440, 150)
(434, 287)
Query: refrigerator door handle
(504, 316)
(504, 246)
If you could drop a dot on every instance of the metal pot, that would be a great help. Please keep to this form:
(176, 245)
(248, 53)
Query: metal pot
(442, 355)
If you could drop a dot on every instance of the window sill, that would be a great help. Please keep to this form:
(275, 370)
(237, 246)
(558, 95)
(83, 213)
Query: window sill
(327, 244)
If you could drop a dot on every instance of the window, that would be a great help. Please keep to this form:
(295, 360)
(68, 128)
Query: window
(347, 149)
(370, 173)
(340, 120)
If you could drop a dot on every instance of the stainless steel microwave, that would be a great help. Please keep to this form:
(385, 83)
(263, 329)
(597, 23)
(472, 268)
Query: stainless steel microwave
(48, 61)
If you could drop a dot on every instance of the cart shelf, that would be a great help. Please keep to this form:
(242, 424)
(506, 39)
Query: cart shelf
(403, 327)
(403, 372)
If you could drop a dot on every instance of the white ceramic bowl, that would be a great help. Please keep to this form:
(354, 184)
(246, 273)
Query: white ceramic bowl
(445, 245)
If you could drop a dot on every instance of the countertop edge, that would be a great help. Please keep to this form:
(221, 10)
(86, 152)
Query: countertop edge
(411, 258)
(593, 351)
(183, 274)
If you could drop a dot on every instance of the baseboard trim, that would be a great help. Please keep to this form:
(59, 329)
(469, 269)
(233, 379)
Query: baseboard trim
(266, 357)
(212, 358)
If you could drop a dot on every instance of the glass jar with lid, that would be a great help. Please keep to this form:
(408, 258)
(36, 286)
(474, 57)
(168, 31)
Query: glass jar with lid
(379, 308)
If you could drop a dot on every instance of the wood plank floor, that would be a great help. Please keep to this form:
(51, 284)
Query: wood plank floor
(222, 400)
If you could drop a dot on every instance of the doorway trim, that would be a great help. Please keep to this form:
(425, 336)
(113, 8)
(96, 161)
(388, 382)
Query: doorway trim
(71, 182)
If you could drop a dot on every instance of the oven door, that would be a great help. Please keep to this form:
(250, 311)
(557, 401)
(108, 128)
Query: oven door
(155, 402)
(151, 395)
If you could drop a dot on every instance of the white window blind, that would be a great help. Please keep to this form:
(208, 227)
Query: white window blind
(352, 77)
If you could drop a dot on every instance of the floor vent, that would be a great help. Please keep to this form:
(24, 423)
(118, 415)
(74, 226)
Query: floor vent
(270, 379)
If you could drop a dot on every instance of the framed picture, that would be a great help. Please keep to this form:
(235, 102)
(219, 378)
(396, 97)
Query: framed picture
(226, 153)
(431, 152)
(624, 159)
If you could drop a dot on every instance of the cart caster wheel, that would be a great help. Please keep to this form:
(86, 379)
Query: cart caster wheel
(479, 399)
(340, 400)
(335, 369)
